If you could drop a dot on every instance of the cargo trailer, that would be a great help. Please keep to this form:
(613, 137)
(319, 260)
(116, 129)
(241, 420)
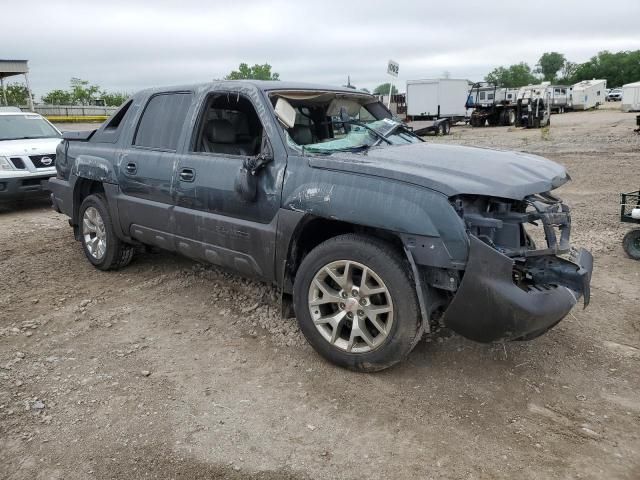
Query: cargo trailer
(437, 98)
(631, 97)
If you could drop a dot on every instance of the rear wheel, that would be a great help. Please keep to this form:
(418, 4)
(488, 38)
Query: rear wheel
(99, 241)
(631, 244)
(356, 303)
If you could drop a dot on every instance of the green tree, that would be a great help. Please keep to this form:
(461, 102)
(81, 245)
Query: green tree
(383, 89)
(58, 97)
(617, 68)
(114, 99)
(257, 72)
(514, 76)
(568, 72)
(82, 92)
(16, 94)
(550, 64)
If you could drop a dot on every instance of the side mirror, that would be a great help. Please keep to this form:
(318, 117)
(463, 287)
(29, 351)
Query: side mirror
(246, 182)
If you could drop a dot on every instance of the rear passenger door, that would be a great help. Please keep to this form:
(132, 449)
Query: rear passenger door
(146, 168)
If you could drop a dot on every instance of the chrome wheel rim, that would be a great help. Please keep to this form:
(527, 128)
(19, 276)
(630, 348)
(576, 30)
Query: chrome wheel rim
(93, 231)
(351, 306)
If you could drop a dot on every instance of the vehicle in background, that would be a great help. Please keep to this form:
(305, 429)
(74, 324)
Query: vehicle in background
(561, 98)
(631, 97)
(27, 153)
(589, 94)
(494, 106)
(372, 233)
(491, 105)
(433, 99)
(614, 95)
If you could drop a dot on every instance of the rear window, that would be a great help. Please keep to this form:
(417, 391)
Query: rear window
(163, 120)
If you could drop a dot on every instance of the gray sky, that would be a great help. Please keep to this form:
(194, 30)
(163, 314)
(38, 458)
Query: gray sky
(129, 45)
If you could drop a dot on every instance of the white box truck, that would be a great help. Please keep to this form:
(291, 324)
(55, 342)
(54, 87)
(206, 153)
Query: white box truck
(631, 97)
(437, 98)
(589, 94)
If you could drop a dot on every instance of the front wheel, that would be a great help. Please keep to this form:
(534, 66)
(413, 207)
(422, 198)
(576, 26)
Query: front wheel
(99, 241)
(356, 303)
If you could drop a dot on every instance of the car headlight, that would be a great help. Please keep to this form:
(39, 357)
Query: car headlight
(5, 164)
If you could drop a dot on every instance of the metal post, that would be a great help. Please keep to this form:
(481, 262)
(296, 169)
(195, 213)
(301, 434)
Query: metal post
(26, 80)
(390, 90)
(4, 92)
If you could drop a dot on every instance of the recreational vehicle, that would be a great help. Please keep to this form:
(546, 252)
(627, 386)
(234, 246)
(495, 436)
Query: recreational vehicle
(589, 94)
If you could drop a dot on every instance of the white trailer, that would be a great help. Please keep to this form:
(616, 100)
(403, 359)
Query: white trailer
(589, 94)
(557, 96)
(631, 97)
(437, 98)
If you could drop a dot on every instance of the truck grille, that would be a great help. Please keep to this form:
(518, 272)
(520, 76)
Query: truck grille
(37, 160)
(17, 162)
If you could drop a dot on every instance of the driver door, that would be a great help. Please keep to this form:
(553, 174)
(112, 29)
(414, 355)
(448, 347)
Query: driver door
(213, 223)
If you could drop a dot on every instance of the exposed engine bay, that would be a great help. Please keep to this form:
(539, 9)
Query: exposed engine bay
(533, 232)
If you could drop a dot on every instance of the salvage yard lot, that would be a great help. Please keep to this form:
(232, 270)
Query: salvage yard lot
(172, 369)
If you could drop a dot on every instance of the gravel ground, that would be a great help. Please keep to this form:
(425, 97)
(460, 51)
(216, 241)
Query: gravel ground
(172, 369)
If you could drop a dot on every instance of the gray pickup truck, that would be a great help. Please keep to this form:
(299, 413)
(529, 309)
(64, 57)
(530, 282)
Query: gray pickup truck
(373, 235)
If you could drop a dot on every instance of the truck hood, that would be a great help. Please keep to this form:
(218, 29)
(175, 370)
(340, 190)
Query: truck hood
(34, 146)
(453, 170)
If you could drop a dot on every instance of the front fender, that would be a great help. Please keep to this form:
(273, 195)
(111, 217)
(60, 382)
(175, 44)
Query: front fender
(375, 202)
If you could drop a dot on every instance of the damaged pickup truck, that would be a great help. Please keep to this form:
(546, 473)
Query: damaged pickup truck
(372, 235)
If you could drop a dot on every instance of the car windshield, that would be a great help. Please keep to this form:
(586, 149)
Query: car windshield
(327, 122)
(18, 127)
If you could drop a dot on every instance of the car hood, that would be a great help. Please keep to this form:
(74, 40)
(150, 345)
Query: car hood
(34, 146)
(453, 170)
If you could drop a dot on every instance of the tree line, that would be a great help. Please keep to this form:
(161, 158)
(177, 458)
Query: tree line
(617, 68)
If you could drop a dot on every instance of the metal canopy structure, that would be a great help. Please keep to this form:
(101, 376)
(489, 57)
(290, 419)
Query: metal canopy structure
(9, 68)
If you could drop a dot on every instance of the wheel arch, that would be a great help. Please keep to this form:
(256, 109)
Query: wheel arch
(312, 230)
(82, 188)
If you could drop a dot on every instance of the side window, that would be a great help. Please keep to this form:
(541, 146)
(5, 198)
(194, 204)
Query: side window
(116, 120)
(111, 131)
(229, 125)
(163, 120)
(490, 96)
(482, 95)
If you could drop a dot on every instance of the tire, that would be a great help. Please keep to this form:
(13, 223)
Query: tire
(631, 244)
(341, 344)
(96, 226)
(446, 128)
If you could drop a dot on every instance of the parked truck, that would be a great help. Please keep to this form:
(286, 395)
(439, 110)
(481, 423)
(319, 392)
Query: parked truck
(494, 106)
(372, 233)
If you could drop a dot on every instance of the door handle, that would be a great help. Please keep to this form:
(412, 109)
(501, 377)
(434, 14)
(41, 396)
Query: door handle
(131, 168)
(187, 174)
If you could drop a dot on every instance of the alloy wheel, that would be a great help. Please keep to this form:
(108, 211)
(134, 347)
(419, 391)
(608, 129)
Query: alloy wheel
(94, 233)
(350, 306)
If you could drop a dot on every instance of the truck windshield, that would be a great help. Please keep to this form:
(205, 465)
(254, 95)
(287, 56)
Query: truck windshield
(19, 127)
(361, 137)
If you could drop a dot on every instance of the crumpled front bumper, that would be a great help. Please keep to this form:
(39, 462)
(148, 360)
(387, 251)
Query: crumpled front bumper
(488, 306)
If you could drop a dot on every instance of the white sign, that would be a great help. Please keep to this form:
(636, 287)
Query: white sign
(393, 68)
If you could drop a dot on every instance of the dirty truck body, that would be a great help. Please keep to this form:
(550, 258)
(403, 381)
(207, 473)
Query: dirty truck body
(374, 234)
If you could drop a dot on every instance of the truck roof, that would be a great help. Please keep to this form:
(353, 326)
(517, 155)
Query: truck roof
(264, 85)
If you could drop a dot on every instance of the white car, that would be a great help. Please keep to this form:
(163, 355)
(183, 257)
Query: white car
(27, 153)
